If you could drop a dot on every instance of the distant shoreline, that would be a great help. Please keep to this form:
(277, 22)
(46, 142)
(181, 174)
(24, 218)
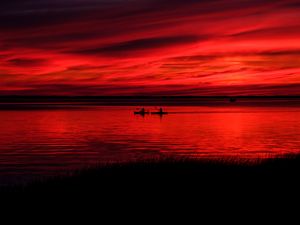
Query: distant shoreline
(152, 100)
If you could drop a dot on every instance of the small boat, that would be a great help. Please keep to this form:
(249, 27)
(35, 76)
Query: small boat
(159, 112)
(142, 111)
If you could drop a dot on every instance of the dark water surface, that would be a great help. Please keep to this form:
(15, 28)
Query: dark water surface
(47, 141)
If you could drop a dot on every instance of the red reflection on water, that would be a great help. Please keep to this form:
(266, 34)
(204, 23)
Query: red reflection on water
(41, 141)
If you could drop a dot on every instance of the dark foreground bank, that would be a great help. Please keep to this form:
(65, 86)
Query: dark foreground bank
(177, 176)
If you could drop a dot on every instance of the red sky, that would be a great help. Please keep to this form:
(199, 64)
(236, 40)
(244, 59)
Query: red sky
(150, 47)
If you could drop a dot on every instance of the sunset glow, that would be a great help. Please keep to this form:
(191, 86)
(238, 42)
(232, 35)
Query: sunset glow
(150, 47)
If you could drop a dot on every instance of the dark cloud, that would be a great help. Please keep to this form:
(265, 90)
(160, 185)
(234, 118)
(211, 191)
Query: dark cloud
(48, 41)
(294, 4)
(270, 32)
(23, 62)
(36, 13)
(295, 52)
(141, 44)
(194, 58)
(177, 89)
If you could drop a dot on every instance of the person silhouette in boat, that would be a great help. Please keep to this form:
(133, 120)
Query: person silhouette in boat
(160, 111)
(142, 110)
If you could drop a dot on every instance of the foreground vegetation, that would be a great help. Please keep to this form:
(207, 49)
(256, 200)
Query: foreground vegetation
(172, 175)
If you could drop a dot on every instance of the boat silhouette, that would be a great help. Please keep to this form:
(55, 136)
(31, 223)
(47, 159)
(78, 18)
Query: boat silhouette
(159, 112)
(142, 111)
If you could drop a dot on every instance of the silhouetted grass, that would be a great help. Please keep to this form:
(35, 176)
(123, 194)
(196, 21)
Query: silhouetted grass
(181, 175)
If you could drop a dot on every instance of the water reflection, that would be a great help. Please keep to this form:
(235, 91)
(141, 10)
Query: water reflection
(46, 141)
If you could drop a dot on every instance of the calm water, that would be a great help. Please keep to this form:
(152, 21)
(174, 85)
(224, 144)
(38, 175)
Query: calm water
(49, 141)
